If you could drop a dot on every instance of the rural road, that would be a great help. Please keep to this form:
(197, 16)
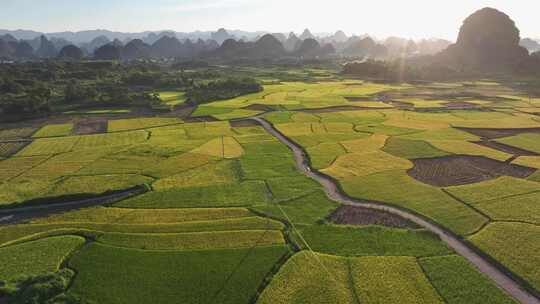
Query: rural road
(19, 215)
(500, 278)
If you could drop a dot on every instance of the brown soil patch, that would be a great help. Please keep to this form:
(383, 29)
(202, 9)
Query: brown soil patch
(506, 148)
(354, 215)
(9, 148)
(243, 123)
(360, 99)
(339, 109)
(200, 119)
(498, 133)
(181, 111)
(259, 107)
(460, 105)
(463, 169)
(400, 105)
(90, 125)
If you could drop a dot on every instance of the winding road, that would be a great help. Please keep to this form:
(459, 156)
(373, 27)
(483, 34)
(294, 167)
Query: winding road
(501, 279)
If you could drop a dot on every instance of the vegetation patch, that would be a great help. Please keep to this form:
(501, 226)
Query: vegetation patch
(140, 123)
(227, 195)
(35, 258)
(515, 245)
(224, 172)
(505, 148)
(310, 277)
(457, 281)
(222, 276)
(194, 240)
(498, 188)
(54, 130)
(411, 149)
(392, 280)
(304, 210)
(525, 141)
(368, 241)
(362, 164)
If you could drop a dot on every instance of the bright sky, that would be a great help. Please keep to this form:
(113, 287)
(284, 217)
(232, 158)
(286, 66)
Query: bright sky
(381, 18)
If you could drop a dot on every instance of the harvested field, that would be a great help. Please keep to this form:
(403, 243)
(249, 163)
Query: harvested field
(90, 126)
(353, 215)
(243, 123)
(498, 133)
(400, 105)
(259, 107)
(339, 109)
(200, 119)
(361, 98)
(16, 133)
(462, 169)
(460, 105)
(505, 148)
(10, 148)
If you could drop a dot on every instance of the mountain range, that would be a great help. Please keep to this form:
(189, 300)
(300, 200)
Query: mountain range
(224, 43)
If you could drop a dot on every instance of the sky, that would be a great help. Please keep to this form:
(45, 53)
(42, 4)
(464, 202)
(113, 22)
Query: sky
(380, 18)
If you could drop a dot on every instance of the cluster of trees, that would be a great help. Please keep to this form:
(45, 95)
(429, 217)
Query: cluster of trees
(43, 87)
(202, 92)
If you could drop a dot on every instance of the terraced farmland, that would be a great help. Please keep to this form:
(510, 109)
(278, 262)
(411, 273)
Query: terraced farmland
(228, 217)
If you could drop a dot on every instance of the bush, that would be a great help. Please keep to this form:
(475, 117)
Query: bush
(44, 288)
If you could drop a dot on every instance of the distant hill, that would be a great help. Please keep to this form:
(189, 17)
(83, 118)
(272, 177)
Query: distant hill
(488, 41)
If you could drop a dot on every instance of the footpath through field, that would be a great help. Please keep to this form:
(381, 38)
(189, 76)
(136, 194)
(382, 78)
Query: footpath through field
(503, 280)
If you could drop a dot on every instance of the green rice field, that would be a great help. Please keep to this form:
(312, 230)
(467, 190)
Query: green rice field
(227, 216)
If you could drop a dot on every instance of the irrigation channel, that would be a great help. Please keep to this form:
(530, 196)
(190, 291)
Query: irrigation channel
(502, 279)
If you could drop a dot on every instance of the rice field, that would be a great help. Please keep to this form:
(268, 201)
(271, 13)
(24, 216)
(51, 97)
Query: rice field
(54, 130)
(228, 211)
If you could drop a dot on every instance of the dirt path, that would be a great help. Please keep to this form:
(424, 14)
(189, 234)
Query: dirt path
(500, 278)
(19, 215)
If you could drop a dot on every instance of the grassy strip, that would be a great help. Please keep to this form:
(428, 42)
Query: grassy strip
(195, 240)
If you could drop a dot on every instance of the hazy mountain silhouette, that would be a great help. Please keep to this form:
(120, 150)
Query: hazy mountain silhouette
(221, 35)
(530, 44)
(97, 42)
(292, 43)
(109, 51)
(46, 48)
(136, 49)
(306, 35)
(71, 52)
(366, 47)
(488, 40)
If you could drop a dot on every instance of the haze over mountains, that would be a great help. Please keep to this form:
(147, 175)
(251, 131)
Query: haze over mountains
(104, 44)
